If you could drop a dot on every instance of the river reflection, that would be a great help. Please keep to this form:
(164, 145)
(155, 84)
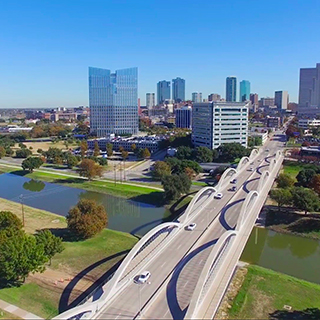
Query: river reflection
(292, 255)
(124, 215)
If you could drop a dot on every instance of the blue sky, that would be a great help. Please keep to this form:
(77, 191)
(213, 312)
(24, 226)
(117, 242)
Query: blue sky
(47, 46)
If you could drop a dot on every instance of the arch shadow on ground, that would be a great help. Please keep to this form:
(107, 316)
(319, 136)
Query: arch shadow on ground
(222, 217)
(171, 294)
(245, 185)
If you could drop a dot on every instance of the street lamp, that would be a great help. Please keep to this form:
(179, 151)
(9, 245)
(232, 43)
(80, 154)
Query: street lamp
(140, 284)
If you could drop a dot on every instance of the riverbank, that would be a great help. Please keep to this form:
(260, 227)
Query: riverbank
(289, 222)
(73, 274)
(135, 192)
(259, 293)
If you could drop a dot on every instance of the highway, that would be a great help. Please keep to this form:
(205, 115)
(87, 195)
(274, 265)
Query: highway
(176, 270)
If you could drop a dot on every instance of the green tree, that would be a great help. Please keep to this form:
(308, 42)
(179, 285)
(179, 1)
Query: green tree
(190, 164)
(171, 190)
(53, 153)
(109, 149)
(185, 183)
(204, 154)
(305, 176)
(31, 163)
(102, 161)
(23, 153)
(2, 152)
(315, 183)
(284, 180)
(231, 151)
(96, 151)
(281, 196)
(83, 148)
(146, 153)
(87, 219)
(72, 161)
(89, 169)
(160, 170)
(124, 154)
(305, 199)
(184, 153)
(51, 244)
(9, 223)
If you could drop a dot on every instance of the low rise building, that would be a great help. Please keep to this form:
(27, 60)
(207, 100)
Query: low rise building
(307, 123)
(273, 122)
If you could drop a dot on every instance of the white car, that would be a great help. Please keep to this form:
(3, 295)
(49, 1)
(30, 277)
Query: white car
(143, 277)
(191, 226)
(218, 196)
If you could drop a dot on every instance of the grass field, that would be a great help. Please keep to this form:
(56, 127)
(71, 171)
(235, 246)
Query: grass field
(292, 169)
(7, 315)
(45, 145)
(35, 219)
(264, 292)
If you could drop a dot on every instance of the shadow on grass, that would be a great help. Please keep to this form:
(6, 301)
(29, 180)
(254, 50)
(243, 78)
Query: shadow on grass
(70, 180)
(305, 225)
(65, 296)
(306, 314)
(275, 217)
(20, 173)
(155, 198)
(65, 234)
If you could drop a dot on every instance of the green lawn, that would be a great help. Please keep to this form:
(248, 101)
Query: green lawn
(292, 168)
(199, 183)
(264, 291)
(7, 315)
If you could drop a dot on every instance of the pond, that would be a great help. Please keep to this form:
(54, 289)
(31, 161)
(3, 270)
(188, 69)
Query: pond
(289, 254)
(123, 214)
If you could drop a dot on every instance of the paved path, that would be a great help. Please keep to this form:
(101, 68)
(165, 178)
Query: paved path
(17, 311)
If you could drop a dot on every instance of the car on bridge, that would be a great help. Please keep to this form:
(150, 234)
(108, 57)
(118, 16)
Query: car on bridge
(191, 226)
(234, 181)
(143, 277)
(218, 196)
(234, 188)
(250, 169)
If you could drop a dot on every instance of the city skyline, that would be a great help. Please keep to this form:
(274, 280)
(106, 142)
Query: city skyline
(45, 62)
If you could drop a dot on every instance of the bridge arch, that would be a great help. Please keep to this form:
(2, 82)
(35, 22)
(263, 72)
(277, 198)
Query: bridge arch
(207, 274)
(263, 180)
(242, 163)
(248, 202)
(254, 153)
(112, 288)
(192, 203)
(225, 176)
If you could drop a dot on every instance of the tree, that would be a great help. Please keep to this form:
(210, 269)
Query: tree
(231, 151)
(83, 148)
(124, 154)
(89, 169)
(305, 176)
(146, 153)
(184, 153)
(185, 183)
(53, 153)
(160, 170)
(87, 219)
(2, 152)
(315, 183)
(72, 161)
(32, 163)
(281, 196)
(284, 180)
(121, 148)
(175, 185)
(190, 172)
(51, 244)
(204, 154)
(109, 149)
(133, 147)
(190, 164)
(102, 161)
(96, 151)
(23, 153)
(305, 199)
(9, 222)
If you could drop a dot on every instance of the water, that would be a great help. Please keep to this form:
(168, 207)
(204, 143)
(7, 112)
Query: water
(123, 215)
(292, 255)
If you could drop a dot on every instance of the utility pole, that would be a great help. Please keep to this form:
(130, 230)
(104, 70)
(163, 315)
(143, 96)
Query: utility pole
(115, 174)
(22, 208)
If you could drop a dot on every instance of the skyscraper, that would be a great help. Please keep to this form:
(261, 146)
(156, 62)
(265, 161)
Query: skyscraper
(231, 89)
(196, 97)
(281, 99)
(150, 100)
(113, 101)
(163, 91)
(244, 90)
(254, 101)
(309, 87)
(214, 97)
(178, 89)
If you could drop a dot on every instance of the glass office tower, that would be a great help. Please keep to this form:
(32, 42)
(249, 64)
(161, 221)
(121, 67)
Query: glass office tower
(244, 90)
(178, 89)
(163, 91)
(113, 101)
(231, 89)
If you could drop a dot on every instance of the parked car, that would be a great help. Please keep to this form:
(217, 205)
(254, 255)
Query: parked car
(143, 277)
(218, 196)
(191, 226)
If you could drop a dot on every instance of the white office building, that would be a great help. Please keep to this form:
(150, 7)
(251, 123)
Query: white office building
(216, 123)
(196, 97)
(281, 99)
(184, 117)
(307, 123)
(150, 100)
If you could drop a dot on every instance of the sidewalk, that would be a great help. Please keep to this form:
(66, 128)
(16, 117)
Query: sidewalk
(17, 311)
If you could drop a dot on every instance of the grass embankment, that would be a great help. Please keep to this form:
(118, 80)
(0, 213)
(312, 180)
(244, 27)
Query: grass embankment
(292, 168)
(134, 192)
(71, 272)
(265, 292)
(293, 223)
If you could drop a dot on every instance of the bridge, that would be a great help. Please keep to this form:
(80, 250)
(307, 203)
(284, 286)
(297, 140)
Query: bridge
(190, 270)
